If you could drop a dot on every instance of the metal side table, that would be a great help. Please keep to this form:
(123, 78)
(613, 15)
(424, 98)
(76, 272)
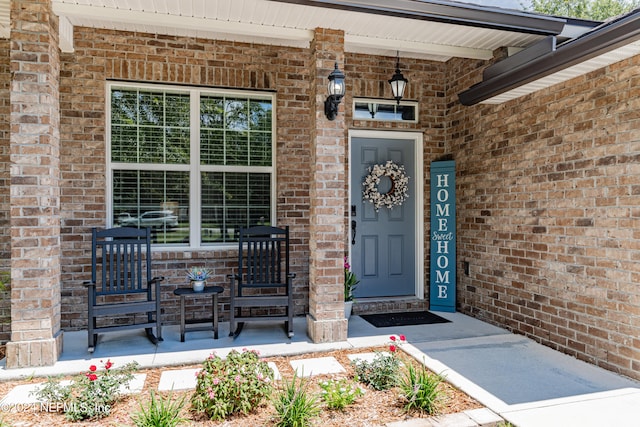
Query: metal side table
(189, 292)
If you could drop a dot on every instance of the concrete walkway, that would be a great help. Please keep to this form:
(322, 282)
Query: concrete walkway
(523, 382)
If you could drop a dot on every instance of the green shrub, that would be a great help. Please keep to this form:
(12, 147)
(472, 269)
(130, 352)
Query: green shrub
(338, 394)
(89, 395)
(382, 373)
(420, 390)
(294, 406)
(160, 412)
(238, 383)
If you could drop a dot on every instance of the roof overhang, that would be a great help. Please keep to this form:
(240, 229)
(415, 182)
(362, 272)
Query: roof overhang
(545, 64)
(424, 29)
(448, 12)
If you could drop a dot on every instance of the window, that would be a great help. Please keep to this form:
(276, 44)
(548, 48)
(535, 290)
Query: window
(385, 110)
(194, 164)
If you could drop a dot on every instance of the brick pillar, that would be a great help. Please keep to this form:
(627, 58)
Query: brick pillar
(325, 321)
(36, 338)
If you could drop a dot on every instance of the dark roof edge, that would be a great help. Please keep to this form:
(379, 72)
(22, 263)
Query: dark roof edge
(449, 12)
(605, 38)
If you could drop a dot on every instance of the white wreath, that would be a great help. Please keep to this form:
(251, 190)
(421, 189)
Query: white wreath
(399, 191)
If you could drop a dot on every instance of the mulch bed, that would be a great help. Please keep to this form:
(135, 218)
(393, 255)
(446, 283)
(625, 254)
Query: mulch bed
(375, 408)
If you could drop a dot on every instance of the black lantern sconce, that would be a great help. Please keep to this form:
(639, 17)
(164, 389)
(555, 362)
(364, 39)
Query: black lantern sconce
(398, 82)
(336, 89)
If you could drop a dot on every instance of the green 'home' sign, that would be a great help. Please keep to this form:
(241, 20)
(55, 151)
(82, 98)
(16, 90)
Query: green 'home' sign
(442, 290)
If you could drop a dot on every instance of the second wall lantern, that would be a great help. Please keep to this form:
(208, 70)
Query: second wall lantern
(398, 82)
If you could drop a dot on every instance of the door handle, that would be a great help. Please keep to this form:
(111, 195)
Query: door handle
(353, 231)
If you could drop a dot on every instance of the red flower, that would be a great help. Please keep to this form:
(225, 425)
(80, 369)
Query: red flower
(392, 348)
(392, 337)
(403, 338)
(92, 377)
(108, 365)
(93, 368)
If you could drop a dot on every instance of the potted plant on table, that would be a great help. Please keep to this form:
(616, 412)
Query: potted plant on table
(197, 276)
(350, 284)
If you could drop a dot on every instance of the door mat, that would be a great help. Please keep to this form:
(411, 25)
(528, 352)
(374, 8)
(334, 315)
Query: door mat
(406, 318)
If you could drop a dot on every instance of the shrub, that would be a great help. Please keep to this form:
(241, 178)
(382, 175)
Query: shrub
(338, 394)
(420, 390)
(294, 406)
(382, 373)
(160, 412)
(89, 395)
(238, 383)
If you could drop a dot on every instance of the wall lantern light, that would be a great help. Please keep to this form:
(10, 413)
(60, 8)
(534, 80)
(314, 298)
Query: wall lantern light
(336, 89)
(398, 82)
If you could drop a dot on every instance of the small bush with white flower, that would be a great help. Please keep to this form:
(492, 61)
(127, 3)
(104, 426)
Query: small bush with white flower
(239, 383)
(383, 372)
(340, 393)
(89, 395)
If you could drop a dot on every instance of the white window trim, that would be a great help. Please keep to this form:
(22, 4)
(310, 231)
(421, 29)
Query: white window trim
(194, 167)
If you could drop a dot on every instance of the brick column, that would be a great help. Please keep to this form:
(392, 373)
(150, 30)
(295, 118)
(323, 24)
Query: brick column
(325, 321)
(36, 338)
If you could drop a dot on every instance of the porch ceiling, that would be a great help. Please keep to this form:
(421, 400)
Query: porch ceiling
(425, 29)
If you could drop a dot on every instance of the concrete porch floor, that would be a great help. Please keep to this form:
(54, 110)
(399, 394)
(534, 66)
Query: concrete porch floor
(522, 381)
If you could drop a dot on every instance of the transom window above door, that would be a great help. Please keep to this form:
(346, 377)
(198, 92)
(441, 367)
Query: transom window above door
(194, 164)
(385, 110)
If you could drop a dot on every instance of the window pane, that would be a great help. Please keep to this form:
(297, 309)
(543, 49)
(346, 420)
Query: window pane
(124, 107)
(178, 144)
(260, 149)
(260, 199)
(212, 112)
(260, 115)
(237, 148)
(124, 143)
(212, 131)
(150, 127)
(235, 131)
(231, 201)
(236, 114)
(155, 199)
(211, 147)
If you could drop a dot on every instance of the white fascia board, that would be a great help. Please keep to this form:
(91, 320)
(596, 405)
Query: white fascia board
(181, 22)
(418, 47)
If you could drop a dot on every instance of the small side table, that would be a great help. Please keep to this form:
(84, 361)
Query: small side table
(208, 290)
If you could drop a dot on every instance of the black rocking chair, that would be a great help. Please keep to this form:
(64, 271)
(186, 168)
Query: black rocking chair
(261, 291)
(121, 282)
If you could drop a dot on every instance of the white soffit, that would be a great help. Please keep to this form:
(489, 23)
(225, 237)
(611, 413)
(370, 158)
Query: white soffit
(585, 67)
(260, 21)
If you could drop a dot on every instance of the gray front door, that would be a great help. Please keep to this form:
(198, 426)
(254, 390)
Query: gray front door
(383, 250)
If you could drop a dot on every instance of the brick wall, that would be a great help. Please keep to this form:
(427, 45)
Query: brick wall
(548, 218)
(5, 233)
(101, 55)
(36, 338)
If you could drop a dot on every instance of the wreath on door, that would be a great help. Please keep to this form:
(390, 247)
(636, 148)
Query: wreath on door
(397, 194)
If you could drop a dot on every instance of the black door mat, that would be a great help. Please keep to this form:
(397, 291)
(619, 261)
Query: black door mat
(406, 318)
